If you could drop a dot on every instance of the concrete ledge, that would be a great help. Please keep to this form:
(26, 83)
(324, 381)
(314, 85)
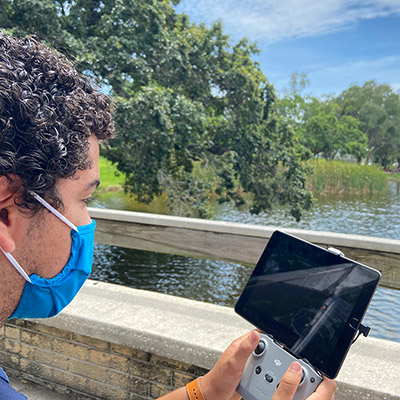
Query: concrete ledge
(189, 331)
(197, 333)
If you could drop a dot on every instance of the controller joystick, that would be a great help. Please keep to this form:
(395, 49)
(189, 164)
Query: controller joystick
(260, 348)
(264, 370)
(302, 376)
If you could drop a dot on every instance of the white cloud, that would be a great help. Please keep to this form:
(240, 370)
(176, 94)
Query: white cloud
(382, 70)
(372, 66)
(275, 20)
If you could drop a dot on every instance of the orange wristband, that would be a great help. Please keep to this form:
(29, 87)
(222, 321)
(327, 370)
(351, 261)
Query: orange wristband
(193, 390)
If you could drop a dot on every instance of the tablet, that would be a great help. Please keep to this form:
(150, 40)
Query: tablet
(309, 299)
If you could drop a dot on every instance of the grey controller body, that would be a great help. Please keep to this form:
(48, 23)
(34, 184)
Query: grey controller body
(264, 370)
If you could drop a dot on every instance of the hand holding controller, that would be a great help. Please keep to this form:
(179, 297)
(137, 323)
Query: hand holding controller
(265, 368)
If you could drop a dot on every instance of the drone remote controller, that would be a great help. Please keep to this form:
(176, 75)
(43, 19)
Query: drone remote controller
(265, 368)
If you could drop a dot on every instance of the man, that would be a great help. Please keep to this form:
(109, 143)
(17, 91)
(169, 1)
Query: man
(51, 121)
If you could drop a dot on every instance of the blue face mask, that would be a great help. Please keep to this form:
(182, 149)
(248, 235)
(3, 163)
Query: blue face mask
(44, 298)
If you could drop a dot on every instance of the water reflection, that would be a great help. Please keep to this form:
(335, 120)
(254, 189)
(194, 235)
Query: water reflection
(204, 280)
(377, 215)
(221, 283)
(383, 314)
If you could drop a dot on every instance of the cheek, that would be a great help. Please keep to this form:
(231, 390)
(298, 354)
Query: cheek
(11, 292)
(48, 253)
(57, 255)
(77, 213)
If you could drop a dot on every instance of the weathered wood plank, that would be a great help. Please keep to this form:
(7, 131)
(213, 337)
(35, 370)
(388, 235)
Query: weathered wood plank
(233, 242)
(387, 263)
(180, 241)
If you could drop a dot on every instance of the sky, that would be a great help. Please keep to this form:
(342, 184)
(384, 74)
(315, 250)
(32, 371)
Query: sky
(337, 43)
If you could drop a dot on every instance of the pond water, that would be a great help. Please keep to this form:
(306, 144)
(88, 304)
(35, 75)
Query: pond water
(221, 282)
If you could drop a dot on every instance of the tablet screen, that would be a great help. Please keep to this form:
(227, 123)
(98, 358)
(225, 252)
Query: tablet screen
(309, 299)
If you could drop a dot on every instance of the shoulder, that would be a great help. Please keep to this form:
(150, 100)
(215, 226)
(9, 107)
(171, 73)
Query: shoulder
(6, 391)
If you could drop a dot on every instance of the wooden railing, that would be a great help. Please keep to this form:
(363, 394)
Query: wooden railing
(233, 242)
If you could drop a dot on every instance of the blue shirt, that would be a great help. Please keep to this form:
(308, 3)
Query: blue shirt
(6, 391)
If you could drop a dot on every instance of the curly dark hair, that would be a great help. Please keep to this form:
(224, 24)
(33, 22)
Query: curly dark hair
(48, 111)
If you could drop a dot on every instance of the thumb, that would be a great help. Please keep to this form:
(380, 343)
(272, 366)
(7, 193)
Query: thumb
(222, 380)
(244, 347)
(289, 382)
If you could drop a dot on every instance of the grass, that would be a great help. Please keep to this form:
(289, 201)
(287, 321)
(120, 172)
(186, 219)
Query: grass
(339, 177)
(328, 178)
(394, 176)
(111, 179)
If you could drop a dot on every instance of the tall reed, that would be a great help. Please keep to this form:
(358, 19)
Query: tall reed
(340, 177)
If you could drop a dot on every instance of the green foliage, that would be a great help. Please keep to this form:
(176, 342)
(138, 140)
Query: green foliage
(184, 93)
(292, 105)
(338, 177)
(360, 122)
(328, 133)
(111, 178)
(320, 124)
(377, 108)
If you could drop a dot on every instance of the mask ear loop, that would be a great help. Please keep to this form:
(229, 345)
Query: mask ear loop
(12, 260)
(15, 264)
(53, 210)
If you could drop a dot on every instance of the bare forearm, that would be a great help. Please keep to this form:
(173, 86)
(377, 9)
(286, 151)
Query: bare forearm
(179, 394)
(220, 382)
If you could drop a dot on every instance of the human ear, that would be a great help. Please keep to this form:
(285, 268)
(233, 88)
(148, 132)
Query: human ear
(7, 214)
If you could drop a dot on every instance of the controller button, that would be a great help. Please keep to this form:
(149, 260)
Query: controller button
(269, 378)
(258, 370)
(260, 348)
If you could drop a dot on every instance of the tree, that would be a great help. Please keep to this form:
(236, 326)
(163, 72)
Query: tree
(292, 105)
(377, 109)
(319, 124)
(185, 95)
(328, 133)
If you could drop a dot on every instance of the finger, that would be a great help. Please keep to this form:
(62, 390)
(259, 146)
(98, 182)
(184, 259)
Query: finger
(228, 370)
(325, 391)
(289, 382)
(241, 348)
(237, 396)
(244, 347)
